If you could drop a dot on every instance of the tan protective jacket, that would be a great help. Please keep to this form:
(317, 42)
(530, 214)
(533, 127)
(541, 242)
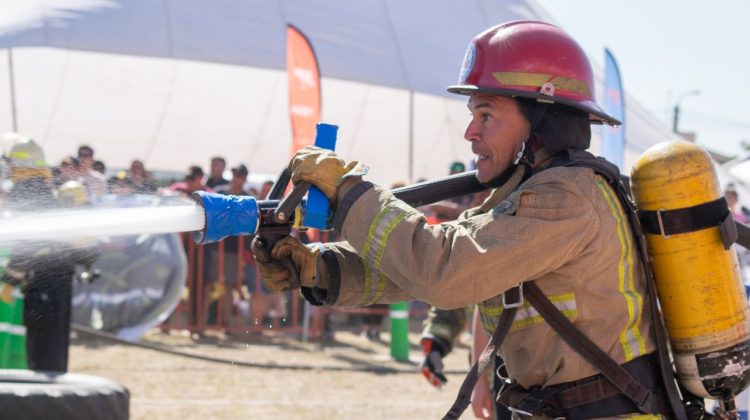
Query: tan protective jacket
(564, 228)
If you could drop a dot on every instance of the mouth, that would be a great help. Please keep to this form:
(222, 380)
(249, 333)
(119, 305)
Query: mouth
(480, 157)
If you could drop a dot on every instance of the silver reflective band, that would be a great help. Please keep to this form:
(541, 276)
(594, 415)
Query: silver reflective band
(398, 314)
(12, 328)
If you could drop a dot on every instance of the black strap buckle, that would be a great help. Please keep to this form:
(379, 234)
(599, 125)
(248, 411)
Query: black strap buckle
(513, 297)
(538, 401)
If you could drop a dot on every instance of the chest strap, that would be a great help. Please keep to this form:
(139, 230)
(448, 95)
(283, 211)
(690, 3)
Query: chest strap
(617, 375)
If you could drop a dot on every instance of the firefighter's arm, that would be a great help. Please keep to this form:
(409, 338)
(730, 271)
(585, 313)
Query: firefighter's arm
(456, 264)
(329, 274)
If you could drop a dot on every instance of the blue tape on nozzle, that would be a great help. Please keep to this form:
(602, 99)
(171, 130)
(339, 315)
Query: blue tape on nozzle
(316, 209)
(226, 215)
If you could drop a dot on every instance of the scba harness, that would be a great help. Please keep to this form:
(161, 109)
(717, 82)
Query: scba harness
(645, 384)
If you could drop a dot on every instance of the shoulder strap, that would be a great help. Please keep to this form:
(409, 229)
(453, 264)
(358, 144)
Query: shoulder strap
(463, 399)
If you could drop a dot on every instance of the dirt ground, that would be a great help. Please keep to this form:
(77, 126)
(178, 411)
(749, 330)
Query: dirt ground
(330, 380)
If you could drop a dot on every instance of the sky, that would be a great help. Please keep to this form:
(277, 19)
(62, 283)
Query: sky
(667, 49)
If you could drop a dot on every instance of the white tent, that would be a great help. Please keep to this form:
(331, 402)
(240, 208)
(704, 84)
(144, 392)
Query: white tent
(174, 82)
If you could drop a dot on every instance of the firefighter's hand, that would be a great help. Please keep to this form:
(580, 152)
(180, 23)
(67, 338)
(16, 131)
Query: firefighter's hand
(303, 260)
(432, 364)
(322, 168)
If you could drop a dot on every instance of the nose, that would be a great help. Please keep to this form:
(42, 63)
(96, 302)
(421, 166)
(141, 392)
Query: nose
(472, 133)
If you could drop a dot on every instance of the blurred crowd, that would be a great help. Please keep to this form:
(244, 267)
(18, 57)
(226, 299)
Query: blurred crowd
(83, 167)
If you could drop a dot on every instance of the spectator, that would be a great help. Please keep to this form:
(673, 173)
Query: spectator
(237, 185)
(94, 181)
(120, 184)
(69, 170)
(140, 178)
(193, 182)
(457, 168)
(265, 189)
(730, 192)
(99, 166)
(227, 289)
(743, 255)
(216, 178)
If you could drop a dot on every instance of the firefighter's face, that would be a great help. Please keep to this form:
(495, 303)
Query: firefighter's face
(496, 132)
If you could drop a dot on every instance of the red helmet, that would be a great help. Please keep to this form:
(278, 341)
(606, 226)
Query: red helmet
(532, 60)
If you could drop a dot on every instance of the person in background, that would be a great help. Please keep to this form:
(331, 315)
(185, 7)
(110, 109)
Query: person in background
(44, 270)
(228, 289)
(732, 197)
(93, 180)
(193, 182)
(140, 178)
(100, 167)
(216, 174)
(265, 189)
(738, 213)
(69, 170)
(236, 186)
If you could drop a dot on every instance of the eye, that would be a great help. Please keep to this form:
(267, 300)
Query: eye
(485, 116)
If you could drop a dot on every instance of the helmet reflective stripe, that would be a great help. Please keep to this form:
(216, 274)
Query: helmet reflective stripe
(537, 80)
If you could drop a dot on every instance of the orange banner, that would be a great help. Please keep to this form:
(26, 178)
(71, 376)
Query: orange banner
(304, 88)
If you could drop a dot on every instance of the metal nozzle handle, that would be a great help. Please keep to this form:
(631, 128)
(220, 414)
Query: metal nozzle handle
(290, 202)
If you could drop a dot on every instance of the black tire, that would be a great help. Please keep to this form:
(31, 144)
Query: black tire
(26, 394)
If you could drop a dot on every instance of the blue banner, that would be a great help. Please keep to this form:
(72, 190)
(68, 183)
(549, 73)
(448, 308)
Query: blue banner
(613, 138)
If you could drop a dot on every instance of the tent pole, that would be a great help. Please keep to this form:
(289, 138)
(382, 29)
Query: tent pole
(411, 136)
(12, 90)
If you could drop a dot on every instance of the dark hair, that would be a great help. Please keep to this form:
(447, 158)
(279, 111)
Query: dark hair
(220, 159)
(194, 172)
(85, 150)
(240, 170)
(99, 166)
(70, 161)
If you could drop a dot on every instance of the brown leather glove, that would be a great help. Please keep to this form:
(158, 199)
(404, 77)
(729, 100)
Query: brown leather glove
(304, 261)
(322, 168)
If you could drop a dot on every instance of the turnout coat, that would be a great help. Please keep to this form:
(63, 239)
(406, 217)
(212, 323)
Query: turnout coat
(563, 228)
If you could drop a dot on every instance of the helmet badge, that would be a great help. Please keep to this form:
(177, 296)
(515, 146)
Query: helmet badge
(469, 59)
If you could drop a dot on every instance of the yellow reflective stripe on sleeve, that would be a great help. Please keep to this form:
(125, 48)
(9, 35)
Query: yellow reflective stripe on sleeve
(372, 253)
(631, 340)
(528, 315)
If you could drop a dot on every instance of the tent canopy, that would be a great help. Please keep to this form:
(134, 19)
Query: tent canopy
(175, 82)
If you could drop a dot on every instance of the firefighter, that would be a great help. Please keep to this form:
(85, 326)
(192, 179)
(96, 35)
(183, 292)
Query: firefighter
(43, 269)
(555, 223)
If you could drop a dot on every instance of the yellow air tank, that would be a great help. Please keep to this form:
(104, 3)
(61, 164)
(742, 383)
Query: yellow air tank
(700, 291)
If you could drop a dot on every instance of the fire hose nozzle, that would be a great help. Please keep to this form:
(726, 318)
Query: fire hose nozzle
(225, 215)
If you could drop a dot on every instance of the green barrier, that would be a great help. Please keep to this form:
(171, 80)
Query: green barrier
(399, 315)
(12, 330)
